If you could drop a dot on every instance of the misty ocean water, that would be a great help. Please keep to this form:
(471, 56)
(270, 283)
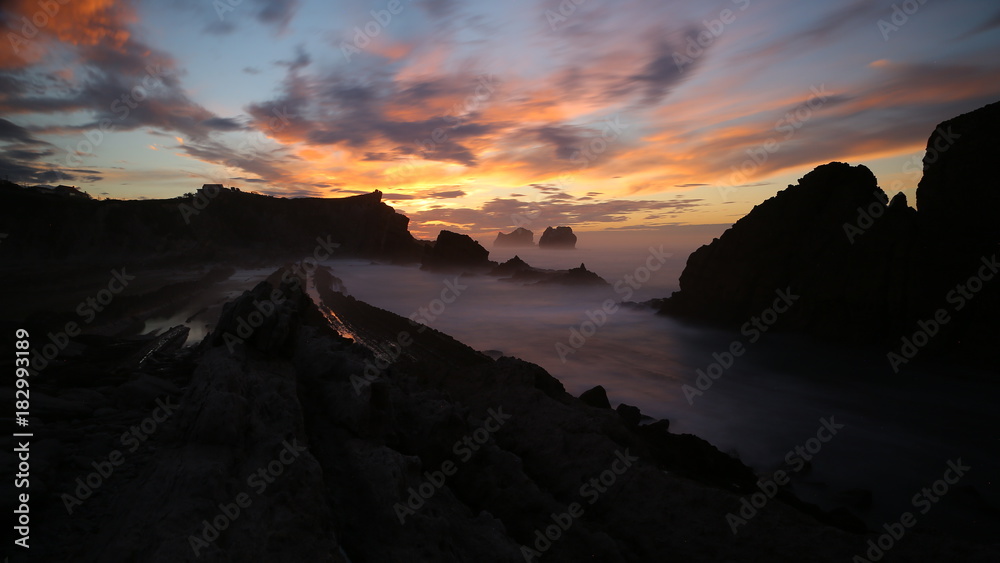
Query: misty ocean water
(769, 401)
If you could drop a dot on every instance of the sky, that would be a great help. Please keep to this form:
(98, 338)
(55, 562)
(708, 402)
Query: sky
(483, 116)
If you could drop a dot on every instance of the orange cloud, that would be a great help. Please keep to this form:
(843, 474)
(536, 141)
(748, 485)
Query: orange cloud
(32, 27)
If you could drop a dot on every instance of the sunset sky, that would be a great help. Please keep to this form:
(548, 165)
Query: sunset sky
(601, 115)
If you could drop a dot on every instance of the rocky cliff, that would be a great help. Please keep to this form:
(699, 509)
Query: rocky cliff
(867, 269)
(214, 223)
(959, 193)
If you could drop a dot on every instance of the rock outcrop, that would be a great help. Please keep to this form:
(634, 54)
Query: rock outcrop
(796, 242)
(211, 224)
(574, 276)
(511, 267)
(456, 252)
(862, 268)
(519, 237)
(519, 271)
(959, 195)
(557, 238)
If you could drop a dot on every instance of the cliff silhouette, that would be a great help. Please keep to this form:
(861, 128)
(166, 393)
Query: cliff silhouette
(213, 223)
(868, 270)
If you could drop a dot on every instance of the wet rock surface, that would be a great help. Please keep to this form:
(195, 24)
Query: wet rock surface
(441, 454)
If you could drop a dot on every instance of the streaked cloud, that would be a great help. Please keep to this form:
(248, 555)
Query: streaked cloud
(462, 112)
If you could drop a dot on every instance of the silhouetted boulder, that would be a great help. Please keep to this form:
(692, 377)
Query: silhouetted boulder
(559, 237)
(518, 237)
(596, 397)
(454, 251)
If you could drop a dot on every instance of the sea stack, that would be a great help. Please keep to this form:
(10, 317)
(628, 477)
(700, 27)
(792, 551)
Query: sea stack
(559, 237)
(454, 251)
(518, 237)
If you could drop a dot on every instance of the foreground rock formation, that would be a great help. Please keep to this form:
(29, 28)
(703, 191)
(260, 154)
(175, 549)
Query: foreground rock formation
(292, 442)
(867, 269)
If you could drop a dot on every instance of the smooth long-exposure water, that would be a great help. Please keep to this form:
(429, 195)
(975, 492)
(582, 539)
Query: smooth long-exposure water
(899, 431)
